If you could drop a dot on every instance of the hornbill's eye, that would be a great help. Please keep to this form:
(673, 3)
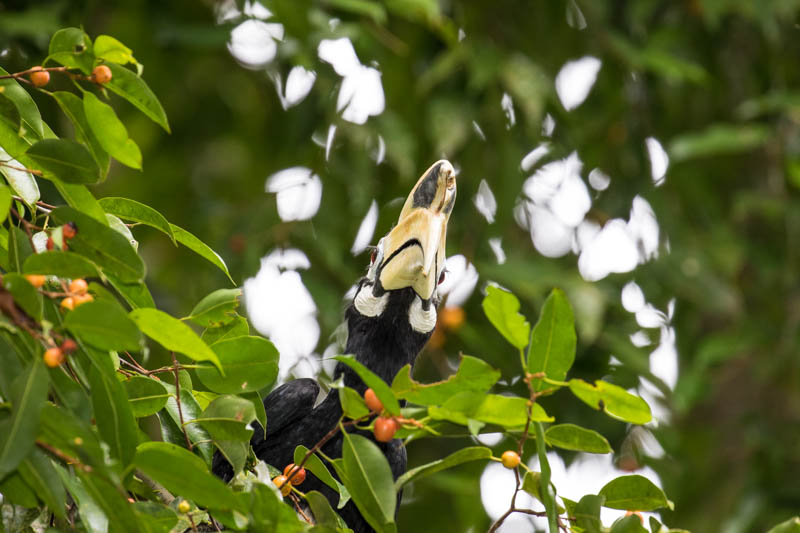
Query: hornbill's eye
(442, 276)
(373, 256)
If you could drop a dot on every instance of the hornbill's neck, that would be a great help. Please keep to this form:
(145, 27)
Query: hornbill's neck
(384, 343)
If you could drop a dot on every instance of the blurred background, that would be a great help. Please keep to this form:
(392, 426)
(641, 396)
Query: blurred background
(644, 156)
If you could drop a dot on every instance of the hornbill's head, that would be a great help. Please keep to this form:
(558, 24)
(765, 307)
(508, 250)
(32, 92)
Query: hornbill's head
(394, 309)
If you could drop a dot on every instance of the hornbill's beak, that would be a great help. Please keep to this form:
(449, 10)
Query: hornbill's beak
(414, 251)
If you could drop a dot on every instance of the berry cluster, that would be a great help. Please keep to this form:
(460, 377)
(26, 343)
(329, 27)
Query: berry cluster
(292, 475)
(385, 426)
(39, 76)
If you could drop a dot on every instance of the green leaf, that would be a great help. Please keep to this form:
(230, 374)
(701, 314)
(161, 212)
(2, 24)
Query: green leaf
(173, 334)
(352, 403)
(133, 89)
(16, 491)
(572, 437)
(59, 263)
(111, 132)
(227, 418)
(628, 524)
(72, 106)
(184, 474)
(135, 294)
(238, 327)
(147, 396)
(508, 411)
(105, 325)
(315, 465)
(381, 389)
(258, 405)
(473, 375)
(553, 340)
(200, 248)
(718, 139)
(25, 295)
(113, 415)
(23, 182)
(464, 455)
(502, 310)
(587, 513)
(72, 48)
(105, 247)
(531, 483)
(92, 516)
(216, 309)
(158, 518)
(190, 410)
(5, 202)
(613, 400)
(128, 209)
(324, 515)
(249, 364)
(17, 433)
(24, 104)
(369, 479)
(19, 248)
(39, 473)
(111, 500)
(790, 526)
(62, 429)
(110, 49)
(79, 197)
(65, 160)
(634, 493)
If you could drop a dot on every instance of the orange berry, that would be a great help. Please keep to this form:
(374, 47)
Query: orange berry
(298, 477)
(510, 459)
(385, 428)
(372, 401)
(53, 357)
(81, 299)
(101, 74)
(281, 480)
(69, 346)
(184, 506)
(451, 317)
(78, 286)
(69, 230)
(37, 280)
(50, 244)
(40, 77)
(68, 303)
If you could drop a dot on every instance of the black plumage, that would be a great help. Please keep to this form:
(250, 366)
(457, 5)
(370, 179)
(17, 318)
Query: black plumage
(384, 344)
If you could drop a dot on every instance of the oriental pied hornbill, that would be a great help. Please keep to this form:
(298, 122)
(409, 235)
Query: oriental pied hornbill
(389, 320)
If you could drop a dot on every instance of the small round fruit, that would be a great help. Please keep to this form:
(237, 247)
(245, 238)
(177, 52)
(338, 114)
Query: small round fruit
(39, 77)
(451, 317)
(78, 286)
(101, 74)
(372, 401)
(37, 280)
(68, 303)
(69, 346)
(184, 506)
(53, 357)
(637, 513)
(385, 428)
(50, 244)
(298, 477)
(81, 299)
(281, 480)
(510, 459)
(69, 230)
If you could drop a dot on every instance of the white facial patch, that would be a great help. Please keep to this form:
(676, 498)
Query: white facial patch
(421, 321)
(368, 304)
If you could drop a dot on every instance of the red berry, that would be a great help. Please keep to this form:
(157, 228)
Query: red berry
(101, 74)
(53, 357)
(510, 459)
(50, 244)
(39, 77)
(372, 401)
(78, 286)
(281, 480)
(298, 477)
(385, 428)
(69, 346)
(69, 230)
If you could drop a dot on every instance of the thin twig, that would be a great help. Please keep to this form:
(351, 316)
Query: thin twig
(163, 494)
(178, 400)
(296, 502)
(63, 456)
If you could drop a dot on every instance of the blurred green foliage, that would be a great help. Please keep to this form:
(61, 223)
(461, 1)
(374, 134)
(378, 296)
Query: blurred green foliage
(715, 81)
